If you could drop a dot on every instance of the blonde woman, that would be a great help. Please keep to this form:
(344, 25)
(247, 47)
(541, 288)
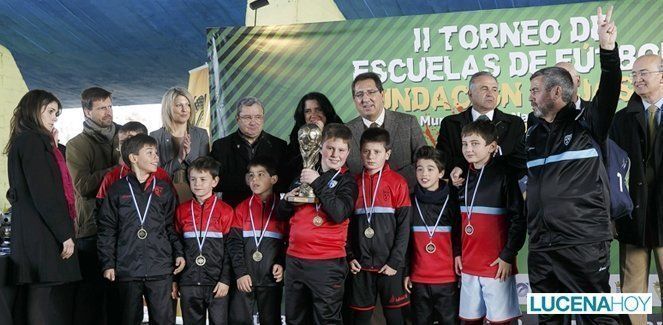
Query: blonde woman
(179, 141)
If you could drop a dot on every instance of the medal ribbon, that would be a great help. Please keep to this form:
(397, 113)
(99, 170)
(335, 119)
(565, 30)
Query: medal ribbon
(476, 187)
(253, 227)
(318, 205)
(369, 215)
(332, 179)
(195, 230)
(142, 217)
(439, 216)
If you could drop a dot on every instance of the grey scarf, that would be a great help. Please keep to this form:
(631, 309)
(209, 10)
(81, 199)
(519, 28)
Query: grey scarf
(92, 128)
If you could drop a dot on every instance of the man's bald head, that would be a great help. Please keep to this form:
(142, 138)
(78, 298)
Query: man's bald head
(568, 66)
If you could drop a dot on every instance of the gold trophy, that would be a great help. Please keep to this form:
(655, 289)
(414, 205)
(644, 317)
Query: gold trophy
(310, 138)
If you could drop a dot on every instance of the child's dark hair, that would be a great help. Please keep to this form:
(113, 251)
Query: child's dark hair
(133, 126)
(205, 164)
(379, 135)
(133, 145)
(484, 129)
(428, 152)
(265, 162)
(337, 131)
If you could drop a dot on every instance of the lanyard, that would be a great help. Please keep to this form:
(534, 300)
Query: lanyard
(195, 230)
(253, 226)
(476, 187)
(141, 217)
(369, 215)
(439, 216)
(331, 181)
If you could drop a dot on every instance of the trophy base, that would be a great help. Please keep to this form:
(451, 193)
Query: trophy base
(301, 199)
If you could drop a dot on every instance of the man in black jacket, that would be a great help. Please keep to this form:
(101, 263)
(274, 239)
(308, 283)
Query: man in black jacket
(483, 94)
(567, 190)
(579, 102)
(636, 129)
(236, 150)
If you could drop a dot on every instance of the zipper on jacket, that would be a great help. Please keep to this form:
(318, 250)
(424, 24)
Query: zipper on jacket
(546, 153)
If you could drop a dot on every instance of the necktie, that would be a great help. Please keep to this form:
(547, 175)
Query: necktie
(483, 117)
(651, 130)
(374, 125)
(651, 123)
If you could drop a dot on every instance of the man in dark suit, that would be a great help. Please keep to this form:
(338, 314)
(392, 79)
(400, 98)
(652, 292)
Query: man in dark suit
(406, 134)
(636, 129)
(236, 150)
(483, 94)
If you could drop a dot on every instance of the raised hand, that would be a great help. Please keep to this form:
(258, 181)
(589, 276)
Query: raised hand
(607, 29)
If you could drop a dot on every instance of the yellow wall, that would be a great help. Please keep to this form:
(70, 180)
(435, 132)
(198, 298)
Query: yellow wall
(283, 12)
(12, 88)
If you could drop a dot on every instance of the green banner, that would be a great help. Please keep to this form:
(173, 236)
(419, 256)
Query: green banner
(425, 61)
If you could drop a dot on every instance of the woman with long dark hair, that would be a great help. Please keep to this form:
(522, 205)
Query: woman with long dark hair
(313, 108)
(43, 211)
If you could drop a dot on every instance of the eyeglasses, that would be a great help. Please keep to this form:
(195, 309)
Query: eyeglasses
(249, 118)
(643, 73)
(370, 93)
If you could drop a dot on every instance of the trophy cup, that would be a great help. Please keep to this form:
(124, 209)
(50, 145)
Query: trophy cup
(5, 233)
(310, 138)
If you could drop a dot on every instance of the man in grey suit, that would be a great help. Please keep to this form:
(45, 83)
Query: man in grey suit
(406, 134)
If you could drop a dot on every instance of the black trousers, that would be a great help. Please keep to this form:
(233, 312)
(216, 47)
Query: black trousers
(47, 304)
(577, 269)
(266, 300)
(91, 295)
(198, 301)
(157, 295)
(314, 290)
(432, 302)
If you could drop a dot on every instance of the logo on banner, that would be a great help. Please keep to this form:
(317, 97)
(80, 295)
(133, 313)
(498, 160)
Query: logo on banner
(589, 303)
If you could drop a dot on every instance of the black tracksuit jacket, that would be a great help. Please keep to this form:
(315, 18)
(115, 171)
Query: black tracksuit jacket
(118, 244)
(568, 202)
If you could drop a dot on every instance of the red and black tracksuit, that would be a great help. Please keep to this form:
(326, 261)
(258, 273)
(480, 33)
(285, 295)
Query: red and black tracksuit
(497, 218)
(391, 224)
(266, 292)
(196, 282)
(142, 266)
(315, 261)
(434, 281)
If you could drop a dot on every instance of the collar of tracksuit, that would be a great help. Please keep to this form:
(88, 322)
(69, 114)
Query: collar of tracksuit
(431, 197)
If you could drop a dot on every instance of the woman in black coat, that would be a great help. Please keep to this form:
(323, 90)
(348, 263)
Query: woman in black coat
(42, 197)
(312, 108)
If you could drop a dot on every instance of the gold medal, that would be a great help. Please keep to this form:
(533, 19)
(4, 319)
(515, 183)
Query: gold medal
(317, 221)
(430, 248)
(469, 229)
(142, 233)
(369, 232)
(257, 256)
(201, 260)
